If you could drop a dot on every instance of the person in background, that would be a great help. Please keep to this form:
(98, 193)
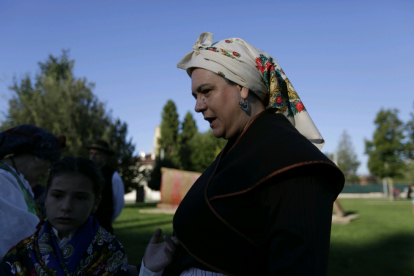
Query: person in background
(70, 241)
(26, 154)
(113, 192)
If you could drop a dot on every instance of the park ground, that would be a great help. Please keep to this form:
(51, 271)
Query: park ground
(380, 242)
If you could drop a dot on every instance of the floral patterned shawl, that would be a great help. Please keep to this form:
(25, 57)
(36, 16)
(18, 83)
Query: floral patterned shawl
(91, 251)
(250, 67)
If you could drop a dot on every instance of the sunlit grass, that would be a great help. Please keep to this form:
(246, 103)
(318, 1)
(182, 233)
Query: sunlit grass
(380, 242)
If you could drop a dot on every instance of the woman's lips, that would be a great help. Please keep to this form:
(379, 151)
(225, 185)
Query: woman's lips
(211, 121)
(64, 220)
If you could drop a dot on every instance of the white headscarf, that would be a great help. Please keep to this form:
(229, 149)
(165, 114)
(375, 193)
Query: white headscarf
(244, 64)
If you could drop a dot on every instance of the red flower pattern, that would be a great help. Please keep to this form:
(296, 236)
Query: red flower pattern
(299, 106)
(267, 67)
(228, 41)
(279, 100)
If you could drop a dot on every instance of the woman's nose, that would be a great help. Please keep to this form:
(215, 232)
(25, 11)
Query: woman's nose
(66, 205)
(200, 105)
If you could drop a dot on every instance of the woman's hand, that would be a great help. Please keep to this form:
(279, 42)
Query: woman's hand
(159, 255)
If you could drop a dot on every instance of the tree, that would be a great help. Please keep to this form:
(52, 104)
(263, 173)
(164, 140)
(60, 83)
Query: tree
(347, 158)
(188, 131)
(410, 138)
(66, 105)
(386, 149)
(169, 131)
(204, 149)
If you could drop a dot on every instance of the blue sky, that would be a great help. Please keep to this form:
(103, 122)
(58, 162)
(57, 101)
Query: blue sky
(346, 59)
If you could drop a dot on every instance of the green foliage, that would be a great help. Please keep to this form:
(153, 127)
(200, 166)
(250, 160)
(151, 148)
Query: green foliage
(347, 158)
(66, 105)
(204, 149)
(409, 128)
(386, 150)
(188, 131)
(169, 130)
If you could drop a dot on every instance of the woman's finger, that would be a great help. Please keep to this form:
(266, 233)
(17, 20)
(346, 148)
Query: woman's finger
(170, 243)
(155, 238)
(175, 240)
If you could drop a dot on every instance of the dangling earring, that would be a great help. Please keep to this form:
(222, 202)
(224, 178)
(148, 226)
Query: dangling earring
(245, 106)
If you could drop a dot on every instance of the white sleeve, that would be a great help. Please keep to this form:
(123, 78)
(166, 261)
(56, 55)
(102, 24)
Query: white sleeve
(16, 222)
(118, 192)
(146, 272)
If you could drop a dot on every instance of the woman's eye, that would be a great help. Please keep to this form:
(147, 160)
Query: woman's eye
(57, 196)
(206, 91)
(82, 198)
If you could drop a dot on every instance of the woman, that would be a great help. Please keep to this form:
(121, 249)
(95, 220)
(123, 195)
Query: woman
(264, 206)
(70, 241)
(26, 153)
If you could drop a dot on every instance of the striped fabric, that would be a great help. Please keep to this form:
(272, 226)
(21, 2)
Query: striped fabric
(198, 272)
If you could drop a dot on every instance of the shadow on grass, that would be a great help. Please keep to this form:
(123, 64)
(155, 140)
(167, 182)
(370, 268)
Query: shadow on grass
(140, 205)
(391, 256)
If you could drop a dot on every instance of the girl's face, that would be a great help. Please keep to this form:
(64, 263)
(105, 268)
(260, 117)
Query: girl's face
(69, 202)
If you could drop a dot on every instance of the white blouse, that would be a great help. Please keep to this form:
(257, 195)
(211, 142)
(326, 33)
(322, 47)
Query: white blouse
(192, 271)
(16, 222)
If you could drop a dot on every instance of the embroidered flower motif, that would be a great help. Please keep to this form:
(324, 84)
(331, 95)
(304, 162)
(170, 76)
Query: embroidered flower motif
(213, 49)
(228, 41)
(279, 100)
(299, 106)
(221, 74)
(115, 261)
(207, 59)
(236, 54)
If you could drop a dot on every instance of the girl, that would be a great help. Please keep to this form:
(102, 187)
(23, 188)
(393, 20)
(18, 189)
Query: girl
(70, 241)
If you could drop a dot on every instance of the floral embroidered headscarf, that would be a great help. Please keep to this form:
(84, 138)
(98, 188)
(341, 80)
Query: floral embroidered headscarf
(248, 66)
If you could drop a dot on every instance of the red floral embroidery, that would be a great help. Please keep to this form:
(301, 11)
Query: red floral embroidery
(299, 106)
(236, 54)
(279, 100)
(211, 49)
(265, 67)
(228, 41)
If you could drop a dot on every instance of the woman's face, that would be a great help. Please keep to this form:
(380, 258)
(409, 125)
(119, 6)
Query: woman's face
(218, 101)
(36, 168)
(69, 202)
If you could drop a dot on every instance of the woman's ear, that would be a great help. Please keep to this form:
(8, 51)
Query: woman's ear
(244, 92)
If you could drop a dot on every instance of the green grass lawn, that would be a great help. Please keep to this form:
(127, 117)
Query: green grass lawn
(380, 242)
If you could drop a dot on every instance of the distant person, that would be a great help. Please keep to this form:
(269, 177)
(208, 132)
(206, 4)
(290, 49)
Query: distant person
(70, 241)
(26, 153)
(113, 191)
(409, 191)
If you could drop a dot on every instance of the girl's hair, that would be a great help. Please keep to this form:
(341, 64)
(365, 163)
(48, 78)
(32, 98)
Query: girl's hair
(77, 165)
